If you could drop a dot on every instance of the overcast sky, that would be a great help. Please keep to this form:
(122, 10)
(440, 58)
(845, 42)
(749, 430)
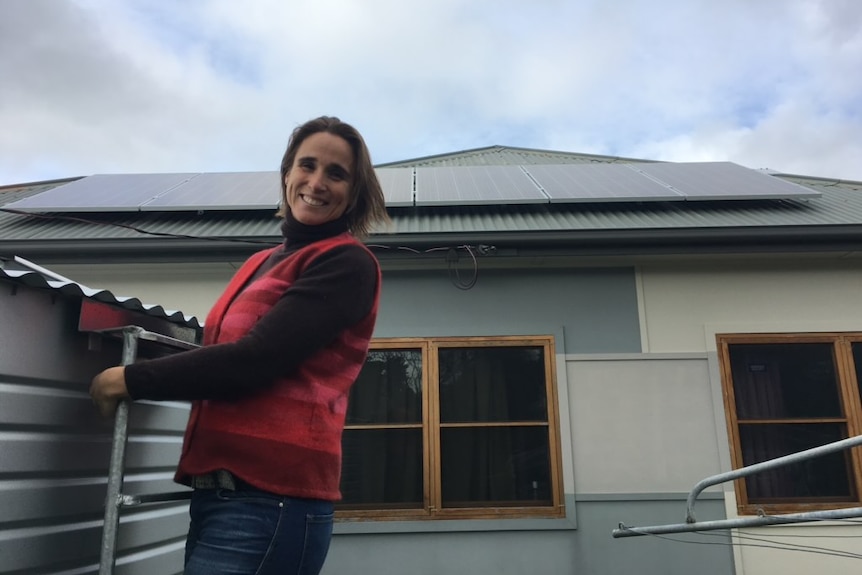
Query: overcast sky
(130, 86)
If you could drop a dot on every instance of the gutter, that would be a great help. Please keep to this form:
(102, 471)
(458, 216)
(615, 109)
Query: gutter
(726, 240)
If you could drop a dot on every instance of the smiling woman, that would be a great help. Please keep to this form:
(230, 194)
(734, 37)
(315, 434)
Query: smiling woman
(282, 347)
(318, 183)
(327, 153)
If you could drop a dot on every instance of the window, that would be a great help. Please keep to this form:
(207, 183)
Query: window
(453, 428)
(786, 393)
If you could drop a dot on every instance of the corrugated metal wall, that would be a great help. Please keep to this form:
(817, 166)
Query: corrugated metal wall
(55, 449)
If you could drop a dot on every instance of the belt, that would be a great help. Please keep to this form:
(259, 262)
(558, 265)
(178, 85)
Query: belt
(219, 479)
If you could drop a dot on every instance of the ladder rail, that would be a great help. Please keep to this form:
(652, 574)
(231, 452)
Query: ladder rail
(115, 499)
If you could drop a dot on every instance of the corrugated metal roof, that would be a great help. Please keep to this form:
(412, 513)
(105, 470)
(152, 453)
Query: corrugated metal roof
(69, 288)
(507, 156)
(839, 205)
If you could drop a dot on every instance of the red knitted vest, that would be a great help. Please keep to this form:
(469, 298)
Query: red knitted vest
(286, 439)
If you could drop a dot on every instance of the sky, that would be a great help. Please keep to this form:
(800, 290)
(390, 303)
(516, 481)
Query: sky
(141, 86)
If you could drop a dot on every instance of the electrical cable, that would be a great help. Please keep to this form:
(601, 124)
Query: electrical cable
(451, 260)
(800, 536)
(792, 546)
(778, 545)
(454, 272)
(136, 229)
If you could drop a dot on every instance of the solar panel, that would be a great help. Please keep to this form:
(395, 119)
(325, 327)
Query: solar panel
(475, 185)
(565, 183)
(722, 181)
(221, 191)
(102, 193)
(397, 184)
(434, 186)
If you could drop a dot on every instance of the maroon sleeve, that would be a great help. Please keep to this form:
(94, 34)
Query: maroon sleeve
(335, 292)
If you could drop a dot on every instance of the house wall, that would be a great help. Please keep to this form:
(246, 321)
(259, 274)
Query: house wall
(685, 307)
(605, 383)
(644, 415)
(55, 449)
(680, 301)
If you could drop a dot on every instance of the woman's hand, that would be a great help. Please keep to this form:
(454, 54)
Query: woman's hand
(108, 388)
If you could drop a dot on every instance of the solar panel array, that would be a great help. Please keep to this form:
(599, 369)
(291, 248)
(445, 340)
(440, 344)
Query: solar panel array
(475, 185)
(220, 191)
(598, 183)
(397, 184)
(721, 181)
(429, 186)
(102, 193)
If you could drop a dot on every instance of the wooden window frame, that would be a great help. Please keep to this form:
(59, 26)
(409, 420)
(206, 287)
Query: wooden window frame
(431, 426)
(851, 406)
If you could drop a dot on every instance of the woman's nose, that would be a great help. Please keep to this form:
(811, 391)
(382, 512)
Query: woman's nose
(316, 181)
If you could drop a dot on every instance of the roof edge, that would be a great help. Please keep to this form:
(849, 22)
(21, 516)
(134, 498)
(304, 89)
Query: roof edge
(748, 240)
(499, 148)
(57, 181)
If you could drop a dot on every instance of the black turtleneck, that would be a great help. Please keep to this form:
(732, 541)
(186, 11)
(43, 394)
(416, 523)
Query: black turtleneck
(333, 293)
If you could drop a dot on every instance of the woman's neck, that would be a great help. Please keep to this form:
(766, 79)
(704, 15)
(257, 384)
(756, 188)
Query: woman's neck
(296, 233)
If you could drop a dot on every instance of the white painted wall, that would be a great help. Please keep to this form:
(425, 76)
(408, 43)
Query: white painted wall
(685, 306)
(641, 425)
(680, 300)
(188, 287)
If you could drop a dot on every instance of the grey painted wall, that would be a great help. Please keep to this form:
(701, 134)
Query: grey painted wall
(597, 308)
(588, 550)
(55, 449)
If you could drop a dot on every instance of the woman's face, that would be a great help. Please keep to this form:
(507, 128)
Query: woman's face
(320, 178)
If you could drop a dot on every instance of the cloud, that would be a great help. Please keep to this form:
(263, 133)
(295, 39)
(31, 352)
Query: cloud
(217, 85)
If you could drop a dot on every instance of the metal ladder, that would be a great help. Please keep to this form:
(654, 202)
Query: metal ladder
(115, 500)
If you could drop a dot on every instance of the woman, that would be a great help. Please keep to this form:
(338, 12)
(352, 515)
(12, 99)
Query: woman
(282, 346)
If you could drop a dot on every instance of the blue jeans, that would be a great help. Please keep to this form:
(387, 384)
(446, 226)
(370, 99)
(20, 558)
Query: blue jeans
(252, 532)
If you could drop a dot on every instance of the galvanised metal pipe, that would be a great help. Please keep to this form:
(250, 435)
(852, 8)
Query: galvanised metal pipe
(107, 558)
(824, 515)
(764, 466)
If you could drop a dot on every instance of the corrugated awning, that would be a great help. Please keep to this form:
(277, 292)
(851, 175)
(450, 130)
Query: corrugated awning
(73, 289)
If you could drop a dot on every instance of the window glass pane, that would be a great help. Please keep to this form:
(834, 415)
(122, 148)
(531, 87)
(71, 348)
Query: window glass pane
(492, 384)
(821, 477)
(495, 466)
(388, 389)
(382, 468)
(793, 380)
(857, 361)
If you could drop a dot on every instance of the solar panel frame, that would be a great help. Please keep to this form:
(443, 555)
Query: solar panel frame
(398, 186)
(102, 193)
(221, 191)
(710, 181)
(573, 183)
(461, 185)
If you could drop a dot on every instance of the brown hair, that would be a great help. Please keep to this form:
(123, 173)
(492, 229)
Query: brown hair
(367, 205)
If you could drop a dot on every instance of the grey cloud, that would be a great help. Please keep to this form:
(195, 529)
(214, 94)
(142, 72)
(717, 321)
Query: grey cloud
(106, 87)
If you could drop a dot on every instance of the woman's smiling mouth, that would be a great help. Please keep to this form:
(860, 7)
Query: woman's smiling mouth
(312, 201)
